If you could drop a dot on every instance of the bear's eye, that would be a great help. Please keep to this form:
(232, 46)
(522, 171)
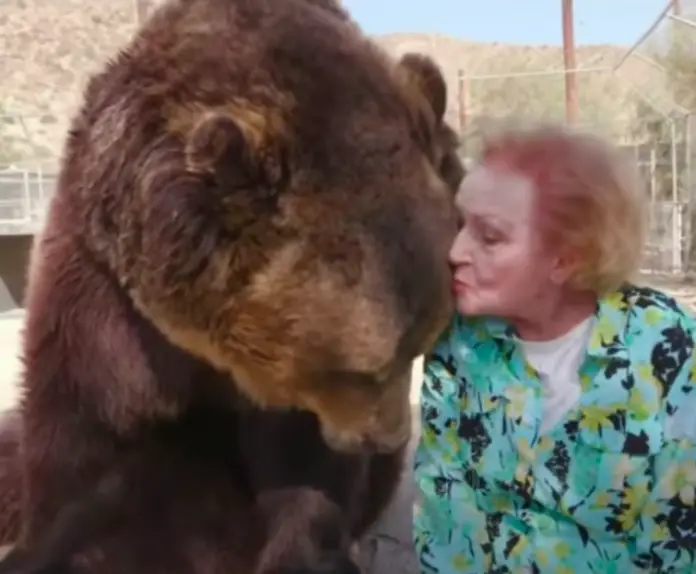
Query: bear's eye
(356, 379)
(451, 170)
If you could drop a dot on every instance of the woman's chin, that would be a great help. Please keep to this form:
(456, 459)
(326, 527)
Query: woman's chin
(466, 305)
(471, 305)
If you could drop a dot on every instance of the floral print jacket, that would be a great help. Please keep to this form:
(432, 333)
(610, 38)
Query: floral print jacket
(609, 489)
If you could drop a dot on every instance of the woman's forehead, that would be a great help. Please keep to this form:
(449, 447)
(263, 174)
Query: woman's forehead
(495, 191)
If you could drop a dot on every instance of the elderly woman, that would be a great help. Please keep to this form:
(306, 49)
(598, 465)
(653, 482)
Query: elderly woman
(559, 407)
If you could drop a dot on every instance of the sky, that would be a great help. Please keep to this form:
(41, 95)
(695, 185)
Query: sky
(525, 21)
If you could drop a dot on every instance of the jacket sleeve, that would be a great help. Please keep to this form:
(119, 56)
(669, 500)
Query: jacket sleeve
(665, 529)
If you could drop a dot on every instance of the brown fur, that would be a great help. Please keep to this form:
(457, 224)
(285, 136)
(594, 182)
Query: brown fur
(253, 198)
(228, 275)
(10, 478)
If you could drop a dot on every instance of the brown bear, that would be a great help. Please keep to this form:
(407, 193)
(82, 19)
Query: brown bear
(245, 253)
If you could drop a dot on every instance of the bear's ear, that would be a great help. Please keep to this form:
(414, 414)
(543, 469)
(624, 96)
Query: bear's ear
(217, 147)
(332, 6)
(424, 74)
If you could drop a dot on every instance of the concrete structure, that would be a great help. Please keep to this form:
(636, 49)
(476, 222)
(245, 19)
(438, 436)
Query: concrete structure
(23, 198)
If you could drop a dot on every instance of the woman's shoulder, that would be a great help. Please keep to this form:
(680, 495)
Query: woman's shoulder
(650, 309)
(637, 320)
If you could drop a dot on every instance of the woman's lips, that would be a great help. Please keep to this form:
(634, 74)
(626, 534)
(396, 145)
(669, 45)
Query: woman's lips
(458, 287)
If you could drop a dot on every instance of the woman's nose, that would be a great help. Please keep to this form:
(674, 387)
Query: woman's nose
(459, 252)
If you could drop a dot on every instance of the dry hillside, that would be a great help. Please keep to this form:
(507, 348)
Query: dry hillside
(49, 47)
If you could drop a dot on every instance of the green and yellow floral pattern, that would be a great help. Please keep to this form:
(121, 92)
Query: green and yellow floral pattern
(610, 489)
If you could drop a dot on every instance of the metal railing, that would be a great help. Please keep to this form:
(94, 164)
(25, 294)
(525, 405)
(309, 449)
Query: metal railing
(24, 196)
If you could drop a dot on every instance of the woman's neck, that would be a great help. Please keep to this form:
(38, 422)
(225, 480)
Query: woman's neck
(555, 316)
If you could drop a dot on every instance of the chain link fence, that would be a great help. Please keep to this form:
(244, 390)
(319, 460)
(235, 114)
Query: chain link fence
(642, 98)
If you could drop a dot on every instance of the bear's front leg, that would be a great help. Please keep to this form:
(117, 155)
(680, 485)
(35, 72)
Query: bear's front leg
(308, 494)
(306, 534)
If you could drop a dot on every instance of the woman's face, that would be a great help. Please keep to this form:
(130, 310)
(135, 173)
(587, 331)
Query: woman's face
(499, 266)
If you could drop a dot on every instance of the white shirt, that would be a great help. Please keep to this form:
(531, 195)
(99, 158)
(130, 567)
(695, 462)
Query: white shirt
(558, 363)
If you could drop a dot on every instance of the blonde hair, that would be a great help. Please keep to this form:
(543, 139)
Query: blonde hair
(590, 199)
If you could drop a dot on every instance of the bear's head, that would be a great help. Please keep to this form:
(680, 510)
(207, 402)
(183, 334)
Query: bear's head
(285, 206)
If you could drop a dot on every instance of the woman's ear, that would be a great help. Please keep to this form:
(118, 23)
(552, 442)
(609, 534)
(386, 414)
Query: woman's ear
(565, 266)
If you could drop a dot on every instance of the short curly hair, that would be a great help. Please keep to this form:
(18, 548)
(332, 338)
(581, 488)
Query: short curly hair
(590, 198)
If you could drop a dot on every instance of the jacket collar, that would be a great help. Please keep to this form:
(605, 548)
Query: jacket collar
(607, 338)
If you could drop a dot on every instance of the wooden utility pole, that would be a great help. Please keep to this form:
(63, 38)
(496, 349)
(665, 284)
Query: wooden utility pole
(463, 108)
(463, 100)
(569, 61)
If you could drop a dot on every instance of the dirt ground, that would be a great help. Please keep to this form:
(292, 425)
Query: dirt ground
(388, 549)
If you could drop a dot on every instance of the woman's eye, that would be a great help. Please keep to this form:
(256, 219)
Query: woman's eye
(490, 238)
